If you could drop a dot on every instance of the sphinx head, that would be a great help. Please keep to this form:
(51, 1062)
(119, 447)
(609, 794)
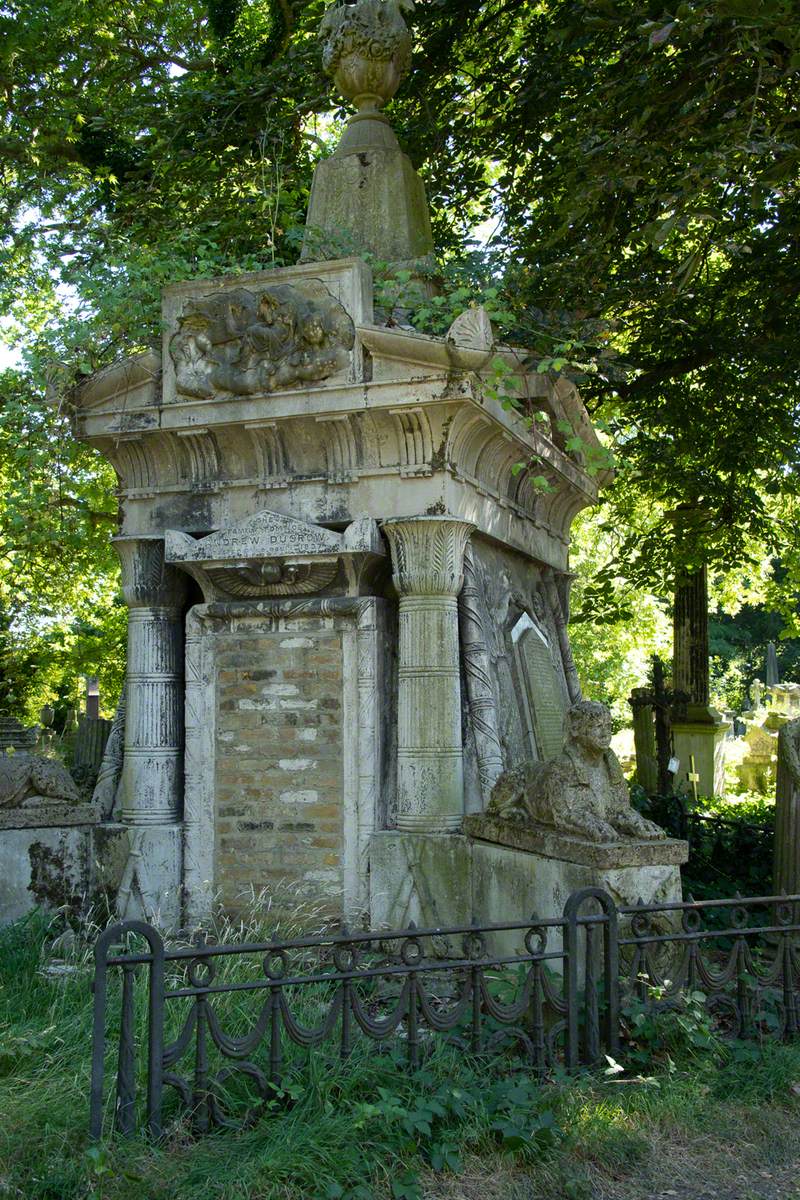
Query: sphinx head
(589, 725)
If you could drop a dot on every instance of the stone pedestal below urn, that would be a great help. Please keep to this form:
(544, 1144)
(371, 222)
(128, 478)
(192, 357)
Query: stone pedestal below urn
(700, 732)
(502, 871)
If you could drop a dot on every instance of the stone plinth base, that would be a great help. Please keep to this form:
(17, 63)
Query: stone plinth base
(507, 873)
(701, 733)
(45, 856)
(548, 843)
(421, 877)
(520, 870)
(54, 855)
(46, 814)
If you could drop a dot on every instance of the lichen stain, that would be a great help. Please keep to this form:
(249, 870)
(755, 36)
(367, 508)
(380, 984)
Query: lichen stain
(50, 883)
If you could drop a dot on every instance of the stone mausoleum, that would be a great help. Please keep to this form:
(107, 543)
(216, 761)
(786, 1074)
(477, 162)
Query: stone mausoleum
(348, 605)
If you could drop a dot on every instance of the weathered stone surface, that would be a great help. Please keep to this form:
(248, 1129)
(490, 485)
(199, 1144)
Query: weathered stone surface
(582, 792)
(152, 776)
(46, 813)
(509, 884)
(472, 330)
(542, 692)
(366, 47)
(548, 843)
(700, 733)
(42, 867)
(28, 780)
(264, 535)
(450, 880)
(787, 811)
(421, 877)
(243, 342)
(149, 887)
(428, 561)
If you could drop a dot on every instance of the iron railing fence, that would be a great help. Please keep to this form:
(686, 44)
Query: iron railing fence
(725, 852)
(223, 1027)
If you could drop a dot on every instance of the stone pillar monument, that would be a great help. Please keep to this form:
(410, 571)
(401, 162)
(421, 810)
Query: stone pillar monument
(698, 730)
(428, 562)
(787, 812)
(152, 772)
(367, 51)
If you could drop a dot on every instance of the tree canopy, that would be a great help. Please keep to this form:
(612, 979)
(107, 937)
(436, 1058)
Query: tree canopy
(638, 165)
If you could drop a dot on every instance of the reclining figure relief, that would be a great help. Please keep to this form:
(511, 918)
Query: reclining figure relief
(29, 779)
(581, 793)
(244, 343)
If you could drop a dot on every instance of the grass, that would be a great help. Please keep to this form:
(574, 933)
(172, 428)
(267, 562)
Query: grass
(723, 1120)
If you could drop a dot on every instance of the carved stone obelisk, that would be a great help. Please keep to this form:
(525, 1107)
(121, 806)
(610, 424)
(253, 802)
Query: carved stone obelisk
(366, 48)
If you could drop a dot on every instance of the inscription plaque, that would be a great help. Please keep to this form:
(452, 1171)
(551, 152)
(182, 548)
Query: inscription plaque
(542, 696)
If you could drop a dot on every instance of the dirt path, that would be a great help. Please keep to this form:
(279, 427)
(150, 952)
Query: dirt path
(745, 1165)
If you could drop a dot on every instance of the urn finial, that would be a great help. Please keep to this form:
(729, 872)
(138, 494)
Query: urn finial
(366, 48)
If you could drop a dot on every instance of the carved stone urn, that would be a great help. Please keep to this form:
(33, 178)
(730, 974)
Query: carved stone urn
(367, 50)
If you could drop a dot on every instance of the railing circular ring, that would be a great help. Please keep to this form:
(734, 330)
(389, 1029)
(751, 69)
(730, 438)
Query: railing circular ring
(346, 957)
(783, 913)
(411, 952)
(201, 972)
(641, 925)
(739, 917)
(474, 945)
(692, 921)
(536, 940)
(275, 964)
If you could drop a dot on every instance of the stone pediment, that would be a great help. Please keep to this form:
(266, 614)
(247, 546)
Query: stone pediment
(265, 535)
(271, 554)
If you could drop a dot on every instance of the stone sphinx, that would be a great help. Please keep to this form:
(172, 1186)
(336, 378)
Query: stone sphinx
(581, 793)
(29, 779)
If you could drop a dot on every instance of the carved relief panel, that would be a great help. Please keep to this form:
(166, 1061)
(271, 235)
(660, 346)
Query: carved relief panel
(245, 343)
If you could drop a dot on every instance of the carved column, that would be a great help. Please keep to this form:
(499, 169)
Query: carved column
(698, 731)
(787, 814)
(690, 634)
(483, 707)
(428, 561)
(152, 774)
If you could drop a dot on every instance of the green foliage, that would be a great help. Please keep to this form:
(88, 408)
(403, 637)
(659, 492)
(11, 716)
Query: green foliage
(573, 1131)
(685, 1029)
(638, 168)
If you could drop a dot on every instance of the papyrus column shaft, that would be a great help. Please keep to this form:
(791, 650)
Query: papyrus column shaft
(152, 773)
(428, 560)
